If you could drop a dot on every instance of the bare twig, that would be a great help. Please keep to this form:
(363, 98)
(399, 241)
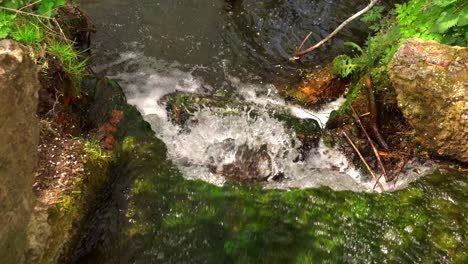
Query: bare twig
(304, 41)
(399, 168)
(30, 4)
(52, 111)
(60, 29)
(364, 161)
(23, 13)
(402, 163)
(374, 149)
(298, 53)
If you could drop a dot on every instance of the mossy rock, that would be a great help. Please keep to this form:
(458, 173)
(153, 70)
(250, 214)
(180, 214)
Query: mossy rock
(180, 107)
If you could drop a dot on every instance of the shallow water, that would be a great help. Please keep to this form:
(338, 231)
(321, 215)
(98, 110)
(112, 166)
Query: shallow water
(175, 210)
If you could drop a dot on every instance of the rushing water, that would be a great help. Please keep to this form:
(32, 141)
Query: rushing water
(166, 215)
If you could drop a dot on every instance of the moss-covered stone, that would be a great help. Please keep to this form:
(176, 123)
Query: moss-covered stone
(53, 230)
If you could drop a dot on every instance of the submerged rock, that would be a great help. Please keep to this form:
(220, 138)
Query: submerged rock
(251, 165)
(431, 82)
(19, 135)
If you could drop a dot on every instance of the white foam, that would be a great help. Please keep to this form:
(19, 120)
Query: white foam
(214, 138)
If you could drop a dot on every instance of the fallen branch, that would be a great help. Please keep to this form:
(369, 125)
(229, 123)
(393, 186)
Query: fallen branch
(364, 161)
(304, 41)
(393, 154)
(374, 149)
(298, 53)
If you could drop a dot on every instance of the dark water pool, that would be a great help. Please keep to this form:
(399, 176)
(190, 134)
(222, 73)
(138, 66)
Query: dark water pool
(246, 38)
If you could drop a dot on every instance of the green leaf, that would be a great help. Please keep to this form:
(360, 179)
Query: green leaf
(353, 45)
(446, 20)
(47, 7)
(463, 19)
(343, 65)
(14, 4)
(6, 23)
(443, 3)
(374, 14)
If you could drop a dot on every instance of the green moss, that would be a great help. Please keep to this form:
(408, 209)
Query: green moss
(298, 125)
(72, 208)
(247, 223)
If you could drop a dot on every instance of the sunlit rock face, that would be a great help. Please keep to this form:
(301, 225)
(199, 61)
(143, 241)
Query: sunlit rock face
(431, 82)
(19, 137)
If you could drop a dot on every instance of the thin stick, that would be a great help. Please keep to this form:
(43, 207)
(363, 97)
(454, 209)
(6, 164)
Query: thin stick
(400, 167)
(28, 5)
(374, 149)
(60, 28)
(364, 161)
(304, 41)
(402, 163)
(299, 53)
(378, 180)
(22, 12)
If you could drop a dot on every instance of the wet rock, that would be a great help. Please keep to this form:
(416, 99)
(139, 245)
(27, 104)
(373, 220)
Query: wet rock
(249, 165)
(431, 82)
(245, 162)
(319, 86)
(180, 107)
(308, 131)
(19, 135)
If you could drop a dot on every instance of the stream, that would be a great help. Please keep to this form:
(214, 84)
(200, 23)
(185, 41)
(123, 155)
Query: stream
(168, 204)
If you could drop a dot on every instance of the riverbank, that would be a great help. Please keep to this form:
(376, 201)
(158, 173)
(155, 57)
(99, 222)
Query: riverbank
(73, 155)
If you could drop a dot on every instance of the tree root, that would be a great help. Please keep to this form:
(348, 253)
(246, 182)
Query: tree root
(374, 149)
(373, 114)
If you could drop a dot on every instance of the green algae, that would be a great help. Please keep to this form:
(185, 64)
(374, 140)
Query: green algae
(248, 224)
(183, 219)
(168, 219)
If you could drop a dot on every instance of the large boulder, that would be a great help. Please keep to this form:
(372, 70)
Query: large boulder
(431, 82)
(19, 135)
